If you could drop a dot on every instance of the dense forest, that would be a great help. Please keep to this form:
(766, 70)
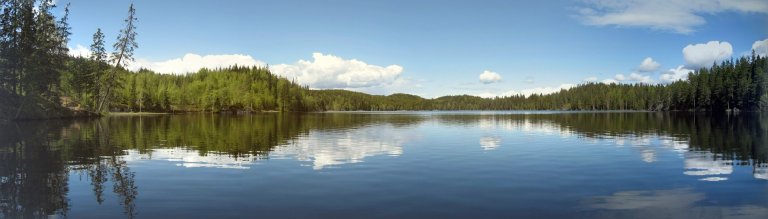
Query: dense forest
(730, 85)
(36, 70)
(33, 51)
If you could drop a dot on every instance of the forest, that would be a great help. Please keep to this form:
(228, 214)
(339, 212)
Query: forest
(36, 70)
(731, 85)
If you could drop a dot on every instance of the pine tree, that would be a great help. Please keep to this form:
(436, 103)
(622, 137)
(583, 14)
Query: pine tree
(124, 46)
(8, 44)
(49, 51)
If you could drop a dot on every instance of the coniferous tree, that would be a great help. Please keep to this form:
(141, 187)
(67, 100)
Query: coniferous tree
(48, 52)
(124, 46)
(99, 58)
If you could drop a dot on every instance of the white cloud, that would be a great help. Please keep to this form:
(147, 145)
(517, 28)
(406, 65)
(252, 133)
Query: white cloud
(760, 47)
(188, 63)
(680, 16)
(80, 51)
(590, 79)
(400, 85)
(610, 81)
(528, 92)
(329, 71)
(637, 77)
(488, 77)
(193, 62)
(675, 74)
(633, 77)
(648, 65)
(759, 6)
(324, 71)
(702, 55)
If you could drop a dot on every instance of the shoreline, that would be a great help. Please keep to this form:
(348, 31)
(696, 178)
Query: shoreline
(80, 114)
(136, 113)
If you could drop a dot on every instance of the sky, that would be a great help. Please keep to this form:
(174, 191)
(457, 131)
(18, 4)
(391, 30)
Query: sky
(435, 48)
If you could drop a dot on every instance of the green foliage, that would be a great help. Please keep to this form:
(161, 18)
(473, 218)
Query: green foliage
(33, 48)
(233, 89)
(730, 85)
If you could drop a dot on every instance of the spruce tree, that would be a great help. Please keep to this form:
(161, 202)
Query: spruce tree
(124, 47)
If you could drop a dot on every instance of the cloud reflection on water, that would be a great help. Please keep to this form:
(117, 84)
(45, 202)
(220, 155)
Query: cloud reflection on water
(708, 165)
(671, 203)
(489, 143)
(321, 148)
(192, 158)
(331, 148)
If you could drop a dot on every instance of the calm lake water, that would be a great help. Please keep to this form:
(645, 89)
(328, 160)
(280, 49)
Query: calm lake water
(388, 165)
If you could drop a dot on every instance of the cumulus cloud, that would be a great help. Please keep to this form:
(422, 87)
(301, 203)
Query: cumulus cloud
(488, 77)
(329, 71)
(633, 77)
(637, 77)
(186, 64)
(193, 62)
(648, 65)
(323, 71)
(760, 47)
(590, 79)
(704, 54)
(528, 92)
(80, 51)
(679, 16)
(610, 81)
(676, 74)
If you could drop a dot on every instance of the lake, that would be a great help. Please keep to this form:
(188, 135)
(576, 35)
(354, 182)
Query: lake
(518, 164)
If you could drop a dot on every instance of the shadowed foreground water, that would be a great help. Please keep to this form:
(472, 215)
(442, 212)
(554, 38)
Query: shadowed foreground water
(388, 165)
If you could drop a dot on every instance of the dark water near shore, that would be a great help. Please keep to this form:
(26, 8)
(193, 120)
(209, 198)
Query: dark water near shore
(388, 165)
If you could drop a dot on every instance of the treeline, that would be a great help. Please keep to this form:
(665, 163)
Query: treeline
(730, 85)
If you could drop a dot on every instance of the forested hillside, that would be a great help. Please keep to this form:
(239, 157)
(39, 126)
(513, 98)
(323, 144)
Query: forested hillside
(37, 75)
(737, 84)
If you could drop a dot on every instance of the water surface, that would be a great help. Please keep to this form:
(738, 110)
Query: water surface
(388, 165)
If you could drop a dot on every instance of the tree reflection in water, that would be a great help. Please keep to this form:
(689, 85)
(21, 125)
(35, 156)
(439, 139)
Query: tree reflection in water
(37, 158)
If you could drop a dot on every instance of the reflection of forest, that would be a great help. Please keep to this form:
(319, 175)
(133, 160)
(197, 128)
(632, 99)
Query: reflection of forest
(36, 158)
(709, 144)
(740, 137)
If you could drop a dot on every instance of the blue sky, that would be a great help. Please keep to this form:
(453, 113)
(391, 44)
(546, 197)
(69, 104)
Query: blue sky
(435, 48)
